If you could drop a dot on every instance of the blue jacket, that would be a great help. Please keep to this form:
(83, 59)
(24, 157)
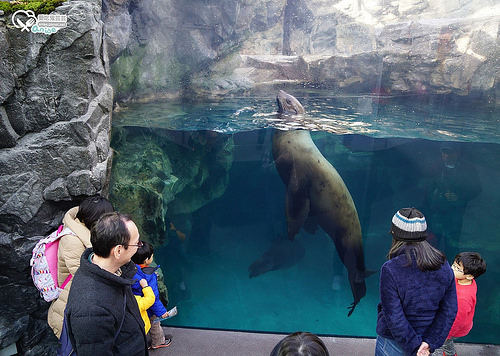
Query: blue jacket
(415, 306)
(148, 273)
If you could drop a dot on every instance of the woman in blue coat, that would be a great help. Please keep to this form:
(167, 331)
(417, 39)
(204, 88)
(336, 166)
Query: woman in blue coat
(418, 301)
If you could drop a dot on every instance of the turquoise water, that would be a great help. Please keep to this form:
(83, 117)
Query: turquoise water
(383, 148)
(433, 118)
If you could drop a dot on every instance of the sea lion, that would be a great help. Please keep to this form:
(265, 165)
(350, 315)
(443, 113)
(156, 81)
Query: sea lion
(282, 254)
(314, 189)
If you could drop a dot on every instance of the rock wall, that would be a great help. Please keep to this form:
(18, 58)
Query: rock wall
(217, 48)
(55, 115)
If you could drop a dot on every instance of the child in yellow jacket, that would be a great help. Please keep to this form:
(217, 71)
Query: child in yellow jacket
(145, 302)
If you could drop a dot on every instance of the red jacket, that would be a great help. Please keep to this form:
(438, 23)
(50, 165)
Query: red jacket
(466, 297)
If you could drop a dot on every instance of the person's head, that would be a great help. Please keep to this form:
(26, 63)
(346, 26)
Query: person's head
(468, 265)
(117, 233)
(144, 254)
(92, 208)
(409, 234)
(409, 225)
(450, 151)
(300, 344)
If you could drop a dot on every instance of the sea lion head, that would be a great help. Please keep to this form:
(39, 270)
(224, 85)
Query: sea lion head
(287, 104)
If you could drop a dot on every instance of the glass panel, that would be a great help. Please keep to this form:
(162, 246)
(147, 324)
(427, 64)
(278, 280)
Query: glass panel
(208, 168)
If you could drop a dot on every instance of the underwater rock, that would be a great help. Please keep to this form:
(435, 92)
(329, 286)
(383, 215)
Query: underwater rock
(154, 174)
(142, 185)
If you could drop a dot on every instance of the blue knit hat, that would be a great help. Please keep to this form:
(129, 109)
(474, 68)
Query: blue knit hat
(409, 225)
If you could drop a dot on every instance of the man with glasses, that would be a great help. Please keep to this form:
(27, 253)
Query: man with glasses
(102, 315)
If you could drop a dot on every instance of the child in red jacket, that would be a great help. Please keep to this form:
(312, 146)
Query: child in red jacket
(467, 266)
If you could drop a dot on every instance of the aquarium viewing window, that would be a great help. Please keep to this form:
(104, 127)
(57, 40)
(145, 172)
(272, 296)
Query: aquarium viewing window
(229, 203)
(399, 100)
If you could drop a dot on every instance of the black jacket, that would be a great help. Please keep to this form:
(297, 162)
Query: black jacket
(95, 312)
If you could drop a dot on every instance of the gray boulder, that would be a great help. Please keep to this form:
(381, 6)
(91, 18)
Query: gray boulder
(55, 114)
(192, 48)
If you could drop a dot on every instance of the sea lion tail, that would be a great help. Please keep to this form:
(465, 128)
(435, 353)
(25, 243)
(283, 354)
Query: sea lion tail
(359, 289)
(351, 308)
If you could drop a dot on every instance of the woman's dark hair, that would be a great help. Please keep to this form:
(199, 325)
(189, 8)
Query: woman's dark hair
(300, 344)
(92, 208)
(143, 253)
(110, 231)
(425, 255)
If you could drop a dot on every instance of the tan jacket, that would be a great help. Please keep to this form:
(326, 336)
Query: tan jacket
(70, 250)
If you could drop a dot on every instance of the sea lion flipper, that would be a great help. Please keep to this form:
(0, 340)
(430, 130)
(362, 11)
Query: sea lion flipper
(310, 225)
(297, 210)
(358, 288)
(351, 308)
(282, 254)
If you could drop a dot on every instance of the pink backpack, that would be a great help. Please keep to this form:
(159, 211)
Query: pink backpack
(44, 265)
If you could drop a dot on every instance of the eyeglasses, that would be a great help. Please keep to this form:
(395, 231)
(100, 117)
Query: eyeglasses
(456, 268)
(139, 244)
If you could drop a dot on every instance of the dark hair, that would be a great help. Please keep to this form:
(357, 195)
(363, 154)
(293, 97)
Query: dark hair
(473, 263)
(143, 253)
(109, 231)
(91, 209)
(427, 257)
(300, 344)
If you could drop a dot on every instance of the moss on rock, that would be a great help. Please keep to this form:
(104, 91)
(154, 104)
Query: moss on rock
(38, 7)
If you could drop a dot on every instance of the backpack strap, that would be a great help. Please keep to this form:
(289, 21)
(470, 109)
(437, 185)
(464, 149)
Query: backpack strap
(66, 281)
(67, 231)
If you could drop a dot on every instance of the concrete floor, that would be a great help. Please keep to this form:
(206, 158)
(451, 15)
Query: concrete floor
(199, 342)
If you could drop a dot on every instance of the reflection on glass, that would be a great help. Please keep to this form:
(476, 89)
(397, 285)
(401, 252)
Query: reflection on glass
(452, 183)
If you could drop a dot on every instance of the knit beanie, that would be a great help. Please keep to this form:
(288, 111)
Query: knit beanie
(409, 225)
